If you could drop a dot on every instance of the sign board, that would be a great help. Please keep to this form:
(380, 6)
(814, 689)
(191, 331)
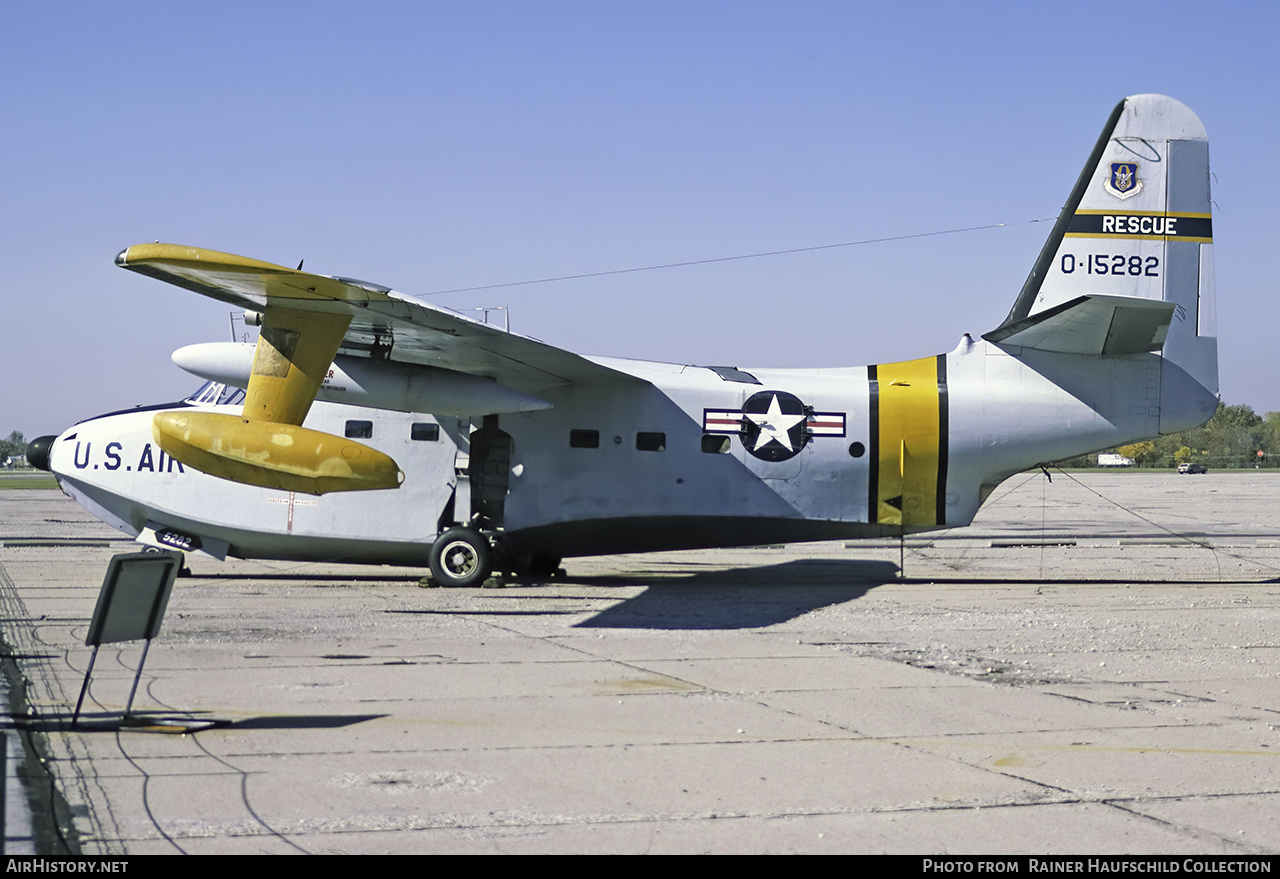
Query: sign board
(135, 593)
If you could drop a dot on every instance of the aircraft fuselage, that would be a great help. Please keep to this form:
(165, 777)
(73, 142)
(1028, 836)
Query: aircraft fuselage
(690, 457)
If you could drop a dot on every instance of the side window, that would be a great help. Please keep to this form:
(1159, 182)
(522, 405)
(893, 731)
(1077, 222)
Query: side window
(651, 441)
(584, 439)
(359, 429)
(425, 432)
(715, 443)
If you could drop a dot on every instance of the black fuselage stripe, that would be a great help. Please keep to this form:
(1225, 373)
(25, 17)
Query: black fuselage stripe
(873, 455)
(943, 438)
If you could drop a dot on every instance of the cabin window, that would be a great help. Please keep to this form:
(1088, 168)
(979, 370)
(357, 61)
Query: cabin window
(425, 432)
(715, 443)
(216, 394)
(359, 429)
(733, 374)
(651, 441)
(584, 439)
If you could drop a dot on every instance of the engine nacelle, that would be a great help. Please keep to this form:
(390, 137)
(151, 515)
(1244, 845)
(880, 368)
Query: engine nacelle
(375, 383)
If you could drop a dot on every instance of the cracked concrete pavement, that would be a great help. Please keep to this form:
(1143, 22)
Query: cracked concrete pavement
(1091, 667)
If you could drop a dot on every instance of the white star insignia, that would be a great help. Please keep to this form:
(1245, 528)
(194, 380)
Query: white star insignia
(776, 426)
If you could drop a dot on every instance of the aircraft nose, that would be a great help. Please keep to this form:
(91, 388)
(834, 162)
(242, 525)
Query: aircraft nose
(38, 451)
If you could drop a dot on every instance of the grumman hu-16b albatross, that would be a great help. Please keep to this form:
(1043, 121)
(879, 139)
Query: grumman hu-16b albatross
(373, 427)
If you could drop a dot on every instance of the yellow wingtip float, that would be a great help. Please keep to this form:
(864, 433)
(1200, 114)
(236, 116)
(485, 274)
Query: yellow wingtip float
(272, 455)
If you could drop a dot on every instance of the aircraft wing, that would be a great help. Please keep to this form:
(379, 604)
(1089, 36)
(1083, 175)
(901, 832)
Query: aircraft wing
(384, 324)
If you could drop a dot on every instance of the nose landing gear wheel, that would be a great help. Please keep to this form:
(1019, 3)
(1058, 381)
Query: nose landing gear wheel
(460, 558)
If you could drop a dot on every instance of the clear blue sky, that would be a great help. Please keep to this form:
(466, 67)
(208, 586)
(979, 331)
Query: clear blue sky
(430, 146)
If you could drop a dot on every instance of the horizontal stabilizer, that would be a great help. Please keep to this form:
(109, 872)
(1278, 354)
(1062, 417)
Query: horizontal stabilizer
(1092, 325)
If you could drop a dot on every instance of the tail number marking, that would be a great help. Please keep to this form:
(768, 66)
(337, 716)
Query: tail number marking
(1111, 264)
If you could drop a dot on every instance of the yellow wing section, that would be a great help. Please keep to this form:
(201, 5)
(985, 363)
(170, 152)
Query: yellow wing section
(239, 280)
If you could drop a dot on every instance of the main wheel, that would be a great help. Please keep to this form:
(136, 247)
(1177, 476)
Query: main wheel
(460, 558)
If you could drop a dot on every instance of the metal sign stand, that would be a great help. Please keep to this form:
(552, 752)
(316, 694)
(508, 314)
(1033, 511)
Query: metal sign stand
(131, 605)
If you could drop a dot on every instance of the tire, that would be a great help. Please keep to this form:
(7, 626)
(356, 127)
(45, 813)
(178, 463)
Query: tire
(460, 558)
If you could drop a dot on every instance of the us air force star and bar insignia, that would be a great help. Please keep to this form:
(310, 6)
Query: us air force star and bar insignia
(773, 425)
(1124, 180)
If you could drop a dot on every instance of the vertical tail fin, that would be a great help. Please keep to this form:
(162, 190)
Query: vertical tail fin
(1138, 226)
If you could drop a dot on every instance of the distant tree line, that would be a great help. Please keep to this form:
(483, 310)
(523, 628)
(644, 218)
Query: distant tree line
(12, 448)
(1230, 440)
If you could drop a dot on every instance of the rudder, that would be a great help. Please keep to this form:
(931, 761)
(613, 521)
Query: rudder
(1138, 225)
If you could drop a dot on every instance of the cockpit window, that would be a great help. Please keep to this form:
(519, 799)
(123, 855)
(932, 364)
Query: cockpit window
(216, 394)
